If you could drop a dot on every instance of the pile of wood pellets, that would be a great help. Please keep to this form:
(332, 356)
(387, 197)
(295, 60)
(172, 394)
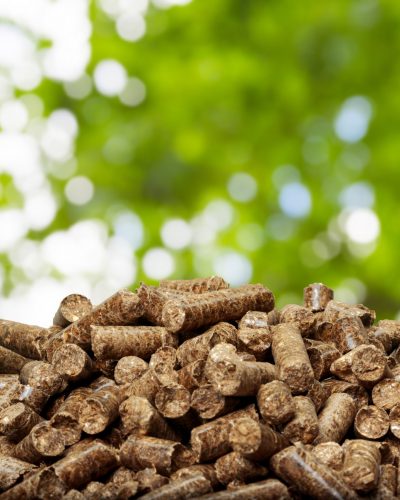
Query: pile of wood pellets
(193, 389)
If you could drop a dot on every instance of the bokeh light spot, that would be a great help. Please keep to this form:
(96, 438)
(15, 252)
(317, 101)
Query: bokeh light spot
(158, 263)
(110, 77)
(242, 187)
(295, 200)
(234, 267)
(176, 234)
(362, 226)
(79, 190)
(351, 123)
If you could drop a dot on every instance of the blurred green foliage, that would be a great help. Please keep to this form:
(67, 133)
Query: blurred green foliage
(249, 86)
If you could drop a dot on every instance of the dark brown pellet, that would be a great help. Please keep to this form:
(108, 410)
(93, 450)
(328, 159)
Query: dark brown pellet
(129, 368)
(139, 452)
(197, 285)
(308, 476)
(72, 308)
(42, 441)
(86, 461)
(211, 440)
(291, 358)
(10, 361)
(255, 440)
(42, 376)
(7, 446)
(72, 362)
(321, 357)
(304, 425)
(256, 341)
(180, 489)
(116, 342)
(211, 307)
(336, 418)
(43, 485)
(197, 348)
(330, 454)
(275, 402)
(210, 403)
(233, 377)
(17, 420)
(140, 417)
(317, 296)
(100, 409)
(371, 422)
(361, 465)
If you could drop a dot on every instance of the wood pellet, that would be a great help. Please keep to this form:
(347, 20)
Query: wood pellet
(194, 389)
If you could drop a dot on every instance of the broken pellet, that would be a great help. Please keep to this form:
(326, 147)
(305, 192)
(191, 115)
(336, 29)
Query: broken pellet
(235, 466)
(336, 418)
(180, 489)
(275, 402)
(197, 285)
(300, 316)
(122, 308)
(72, 308)
(291, 358)
(86, 461)
(386, 393)
(129, 368)
(255, 440)
(330, 454)
(139, 452)
(211, 440)
(197, 348)
(72, 362)
(256, 341)
(17, 420)
(317, 296)
(304, 425)
(211, 307)
(10, 361)
(210, 403)
(233, 377)
(371, 422)
(42, 441)
(270, 489)
(357, 392)
(66, 418)
(254, 319)
(308, 476)
(192, 375)
(44, 484)
(42, 376)
(140, 417)
(342, 367)
(321, 357)
(11, 470)
(115, 342)
(100, 409)
(361, 464)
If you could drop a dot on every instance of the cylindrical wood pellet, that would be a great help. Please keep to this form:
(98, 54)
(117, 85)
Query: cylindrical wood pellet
(304, 425)
(72, 308)
(256, 341)
(317, 296)
(100, 409)
(42, 376)
(371, 422)
(210, 403)
(42, 441)
(21, 338)
(189, 487)
(269, 489)
(235, 466)
(291, 358)
(336, 418)
(211, 307)
(330, 454)
(321, 356)
(207, 470)
(12, 470)
(192, 375)
(358, 393)
(386, 393)
(129, 368)
(275, 402)
(197, 285)
(44, 484)
(10, 361)
(17, 420)
(299, 316)
(361, 464)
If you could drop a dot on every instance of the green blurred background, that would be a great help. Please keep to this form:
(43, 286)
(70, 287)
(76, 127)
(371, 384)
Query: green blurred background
(253, 139)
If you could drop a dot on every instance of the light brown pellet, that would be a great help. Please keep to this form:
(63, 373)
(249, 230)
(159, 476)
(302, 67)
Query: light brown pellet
(270, 489)
(11, 470)
(256, 341)
(210, 403)
(321, 357)
(386, 393)
(197, 285)
(358, 393)
(291, 358)
(394, 419)
(129, 368)
(72, 362)
(361, 465)
(318, 395)
(335, 311)
(255, 319)
(10, 361)
(173, 401)
(42, 441)
(21, 338)
(234, 466)
(207, 470)
(371, 422)
(211, 307)
(275, 402)
(72, 308)
(299, 316)
(17, 420)
(317, 296)
(369, 365)
(304, 425)
(180, 489)
(42, 376)
(44, 484)
(336, 418)
(330, 454)
(191, 375)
